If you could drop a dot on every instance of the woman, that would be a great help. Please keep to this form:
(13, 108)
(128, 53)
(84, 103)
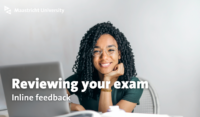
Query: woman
(105, 55)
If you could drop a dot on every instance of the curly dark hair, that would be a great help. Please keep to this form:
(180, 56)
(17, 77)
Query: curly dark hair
(83, 65)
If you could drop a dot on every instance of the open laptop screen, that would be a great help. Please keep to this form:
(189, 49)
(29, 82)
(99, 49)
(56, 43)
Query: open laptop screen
(29, 72)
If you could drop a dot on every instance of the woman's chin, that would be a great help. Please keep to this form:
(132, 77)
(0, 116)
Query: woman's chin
(105, 71)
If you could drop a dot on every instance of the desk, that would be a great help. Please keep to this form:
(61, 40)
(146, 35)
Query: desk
(4, 113)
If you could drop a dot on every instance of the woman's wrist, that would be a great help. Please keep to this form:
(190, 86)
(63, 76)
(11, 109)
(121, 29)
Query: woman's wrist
(76, 107)
(106, 79)
(79, 107)
(106, 90)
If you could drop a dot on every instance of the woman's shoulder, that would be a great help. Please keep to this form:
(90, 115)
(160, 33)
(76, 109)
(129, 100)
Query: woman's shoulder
(134, 82)
(134, 78)
(131, 93)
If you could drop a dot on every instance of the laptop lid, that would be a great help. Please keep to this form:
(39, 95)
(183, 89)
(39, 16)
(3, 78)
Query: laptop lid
(30, 72)
(2, 97)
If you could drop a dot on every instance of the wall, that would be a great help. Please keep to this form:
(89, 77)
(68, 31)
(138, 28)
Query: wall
(164, 36)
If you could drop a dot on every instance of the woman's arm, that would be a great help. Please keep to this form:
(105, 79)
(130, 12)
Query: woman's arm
(75, 107)
(106, 97)
(105, 100)
(126, 105)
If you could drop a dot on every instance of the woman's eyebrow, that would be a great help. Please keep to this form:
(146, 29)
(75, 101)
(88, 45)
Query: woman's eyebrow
(111, 46)
(107, 46)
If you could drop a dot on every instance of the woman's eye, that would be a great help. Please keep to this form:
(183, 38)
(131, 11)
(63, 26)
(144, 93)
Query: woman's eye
(96, 51)
(110, 50)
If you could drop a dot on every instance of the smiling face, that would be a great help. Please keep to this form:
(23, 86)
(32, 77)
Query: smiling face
(106, 54)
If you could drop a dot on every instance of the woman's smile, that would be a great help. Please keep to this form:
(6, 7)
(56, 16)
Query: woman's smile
(105, 64)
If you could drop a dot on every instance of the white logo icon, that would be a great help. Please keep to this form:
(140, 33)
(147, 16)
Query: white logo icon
(7, 9)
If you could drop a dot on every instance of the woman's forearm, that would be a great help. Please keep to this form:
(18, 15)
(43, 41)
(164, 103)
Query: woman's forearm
(76, 107)
(105, 101)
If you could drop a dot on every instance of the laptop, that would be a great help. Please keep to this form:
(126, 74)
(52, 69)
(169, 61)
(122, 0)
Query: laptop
(2, 97)
(18, 105)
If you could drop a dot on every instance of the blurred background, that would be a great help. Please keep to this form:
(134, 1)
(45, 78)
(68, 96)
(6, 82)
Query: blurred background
(164, 36)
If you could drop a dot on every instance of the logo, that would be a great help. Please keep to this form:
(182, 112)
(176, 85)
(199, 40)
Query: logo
(34, 10)
(7, 9)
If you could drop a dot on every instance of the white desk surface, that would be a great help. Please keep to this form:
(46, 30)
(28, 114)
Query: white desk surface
(4, 113)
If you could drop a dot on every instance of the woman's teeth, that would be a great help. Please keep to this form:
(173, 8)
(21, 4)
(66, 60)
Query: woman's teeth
(105, 65)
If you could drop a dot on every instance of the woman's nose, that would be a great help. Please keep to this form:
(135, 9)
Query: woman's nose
(104, 55)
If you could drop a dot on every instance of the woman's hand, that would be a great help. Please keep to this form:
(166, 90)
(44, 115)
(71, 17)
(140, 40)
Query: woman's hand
(117, 71)
(76, 107)
(73, 106)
